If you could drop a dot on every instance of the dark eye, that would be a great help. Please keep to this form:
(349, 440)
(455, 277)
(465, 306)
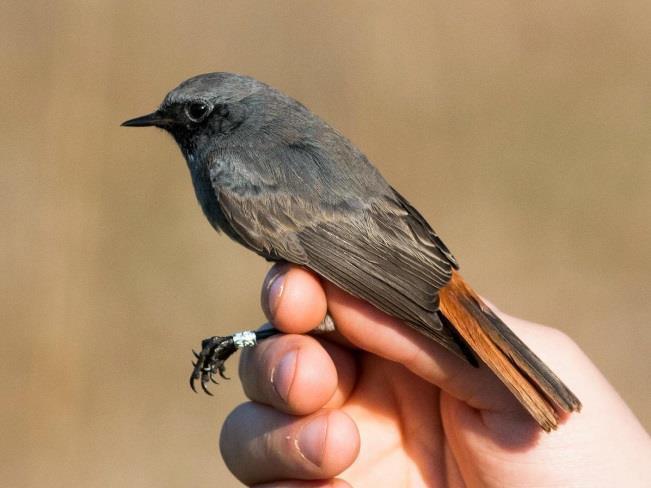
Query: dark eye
(197, 111)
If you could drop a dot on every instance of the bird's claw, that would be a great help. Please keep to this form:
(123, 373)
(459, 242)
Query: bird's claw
(214, 353)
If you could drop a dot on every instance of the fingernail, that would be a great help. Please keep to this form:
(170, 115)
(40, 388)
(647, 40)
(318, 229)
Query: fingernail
(272, 292)
(312, 439)
(282, 376)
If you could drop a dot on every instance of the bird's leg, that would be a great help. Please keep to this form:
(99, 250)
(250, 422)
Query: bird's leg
(216, 350)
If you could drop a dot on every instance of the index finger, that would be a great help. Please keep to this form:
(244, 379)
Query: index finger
(293, 299)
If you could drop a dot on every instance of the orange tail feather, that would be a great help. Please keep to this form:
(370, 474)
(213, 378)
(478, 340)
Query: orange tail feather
(535, 386)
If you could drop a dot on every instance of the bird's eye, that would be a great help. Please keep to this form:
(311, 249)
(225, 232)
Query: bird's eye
(197, 111)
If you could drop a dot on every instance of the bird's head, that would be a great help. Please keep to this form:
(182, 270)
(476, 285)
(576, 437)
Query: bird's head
(216, 106)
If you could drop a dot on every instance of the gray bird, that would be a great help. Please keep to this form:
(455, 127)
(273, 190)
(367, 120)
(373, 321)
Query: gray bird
(280, 181)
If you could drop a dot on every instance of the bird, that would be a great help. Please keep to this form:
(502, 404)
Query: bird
(279, 180)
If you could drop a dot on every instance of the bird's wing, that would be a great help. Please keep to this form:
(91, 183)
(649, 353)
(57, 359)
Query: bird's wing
(381, 251)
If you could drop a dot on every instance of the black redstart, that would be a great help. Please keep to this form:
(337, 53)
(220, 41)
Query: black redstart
(279, 180)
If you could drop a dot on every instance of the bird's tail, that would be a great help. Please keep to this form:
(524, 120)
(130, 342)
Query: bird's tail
(537, 388)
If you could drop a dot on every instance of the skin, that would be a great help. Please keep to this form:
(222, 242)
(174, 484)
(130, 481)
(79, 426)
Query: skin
(376, 404)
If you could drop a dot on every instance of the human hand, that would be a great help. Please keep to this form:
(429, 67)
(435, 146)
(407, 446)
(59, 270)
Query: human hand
(377, 404)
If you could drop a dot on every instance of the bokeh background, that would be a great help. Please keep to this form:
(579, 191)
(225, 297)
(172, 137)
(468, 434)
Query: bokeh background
(522, 130)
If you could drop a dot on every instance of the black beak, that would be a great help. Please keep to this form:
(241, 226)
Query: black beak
(156, 118)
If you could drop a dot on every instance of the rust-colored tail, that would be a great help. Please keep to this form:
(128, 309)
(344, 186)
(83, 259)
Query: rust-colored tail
(529, 379)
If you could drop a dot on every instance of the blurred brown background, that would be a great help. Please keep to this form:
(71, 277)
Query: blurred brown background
(522, 130)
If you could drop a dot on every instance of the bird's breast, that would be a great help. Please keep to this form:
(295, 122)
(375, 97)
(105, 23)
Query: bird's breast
(207, 197)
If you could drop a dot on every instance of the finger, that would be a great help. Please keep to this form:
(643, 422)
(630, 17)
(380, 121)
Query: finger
(260, 444)
(297, 374)
(372, 330)
(293, 298)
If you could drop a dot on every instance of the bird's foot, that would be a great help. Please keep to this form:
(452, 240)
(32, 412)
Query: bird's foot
(210, 361)
(216, 350)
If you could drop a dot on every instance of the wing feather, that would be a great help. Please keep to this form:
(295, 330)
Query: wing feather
(380, 250)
